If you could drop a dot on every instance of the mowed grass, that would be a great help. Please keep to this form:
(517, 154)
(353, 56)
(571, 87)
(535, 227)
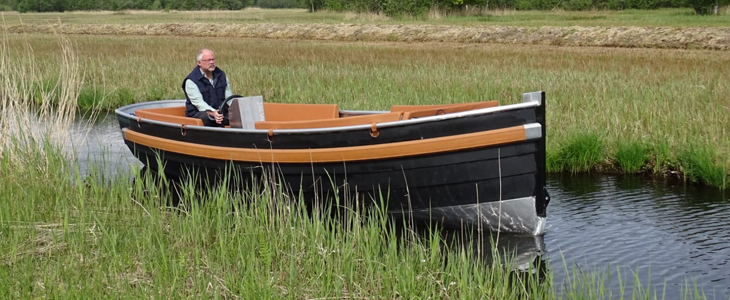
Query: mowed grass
(663, 99)
(684, 17)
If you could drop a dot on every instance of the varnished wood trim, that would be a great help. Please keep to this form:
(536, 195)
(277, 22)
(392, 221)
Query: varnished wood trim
(299, 112)
(475, 105)
(335, 122)
(342, 154)
(174, 114)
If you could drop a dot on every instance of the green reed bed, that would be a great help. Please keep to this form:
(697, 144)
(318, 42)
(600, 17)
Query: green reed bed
(63, 237)
(661, 99)
(631, 157)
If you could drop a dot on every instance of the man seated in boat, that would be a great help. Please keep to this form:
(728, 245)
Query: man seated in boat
(206, 89)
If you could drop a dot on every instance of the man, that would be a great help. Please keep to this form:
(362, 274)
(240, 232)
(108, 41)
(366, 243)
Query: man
(206, 88)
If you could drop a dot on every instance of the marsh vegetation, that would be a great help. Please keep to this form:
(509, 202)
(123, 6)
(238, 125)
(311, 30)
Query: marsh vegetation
(66, 234)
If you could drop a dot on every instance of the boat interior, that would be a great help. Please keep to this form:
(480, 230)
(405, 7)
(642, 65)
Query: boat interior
(301, 116)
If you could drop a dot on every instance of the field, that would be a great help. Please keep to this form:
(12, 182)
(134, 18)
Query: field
(68, 235)
(629, 109)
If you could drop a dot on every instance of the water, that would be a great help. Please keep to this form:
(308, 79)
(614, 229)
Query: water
(102, 145)
(670, 235)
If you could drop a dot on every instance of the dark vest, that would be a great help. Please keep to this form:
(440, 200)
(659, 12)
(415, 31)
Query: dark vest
(213, 95)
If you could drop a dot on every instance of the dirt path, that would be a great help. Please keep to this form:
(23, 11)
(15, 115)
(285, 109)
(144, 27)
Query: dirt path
(712, 38)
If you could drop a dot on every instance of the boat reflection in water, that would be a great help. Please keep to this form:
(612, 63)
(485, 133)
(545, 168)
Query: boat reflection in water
(516, 252)
(521, 255)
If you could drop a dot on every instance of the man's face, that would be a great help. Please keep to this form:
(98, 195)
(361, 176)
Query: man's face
(207, 62)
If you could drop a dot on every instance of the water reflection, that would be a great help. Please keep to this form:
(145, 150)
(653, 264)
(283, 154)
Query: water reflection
(517, 252)
(98, 143)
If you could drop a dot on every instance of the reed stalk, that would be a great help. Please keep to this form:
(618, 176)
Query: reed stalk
(37, 112)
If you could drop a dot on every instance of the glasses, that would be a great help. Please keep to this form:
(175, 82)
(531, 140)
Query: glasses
(208, 60)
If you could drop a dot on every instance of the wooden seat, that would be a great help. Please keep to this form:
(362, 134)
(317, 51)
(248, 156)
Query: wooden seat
(411, 111)
(338, 122)
(300, 112)
(175, 114)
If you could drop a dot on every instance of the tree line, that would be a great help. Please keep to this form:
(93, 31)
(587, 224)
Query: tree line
(391, 8)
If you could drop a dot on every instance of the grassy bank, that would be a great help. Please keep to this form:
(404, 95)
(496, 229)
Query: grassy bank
(638, 110)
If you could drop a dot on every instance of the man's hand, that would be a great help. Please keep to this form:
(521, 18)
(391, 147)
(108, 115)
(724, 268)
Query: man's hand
(218, 117)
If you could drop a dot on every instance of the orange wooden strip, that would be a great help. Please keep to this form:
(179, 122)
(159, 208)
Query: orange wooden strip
(299, 112)
(407, 108)
(174, 114)
(447, 110)
(338, 122)
(343, 154)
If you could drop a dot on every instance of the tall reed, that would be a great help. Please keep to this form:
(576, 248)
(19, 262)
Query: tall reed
(37, 112)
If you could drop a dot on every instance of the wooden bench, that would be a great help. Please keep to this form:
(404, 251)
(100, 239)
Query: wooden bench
(338, 122)
(300, 112)
(420, 111)
(175, 114)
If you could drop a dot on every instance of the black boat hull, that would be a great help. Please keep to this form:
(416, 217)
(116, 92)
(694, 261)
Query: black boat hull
(457, 170)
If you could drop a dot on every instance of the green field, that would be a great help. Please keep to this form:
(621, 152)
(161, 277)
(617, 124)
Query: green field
(659, 111)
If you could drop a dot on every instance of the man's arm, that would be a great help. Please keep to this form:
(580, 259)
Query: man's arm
(195, 97)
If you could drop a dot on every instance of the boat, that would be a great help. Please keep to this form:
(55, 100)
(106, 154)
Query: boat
(476, 164)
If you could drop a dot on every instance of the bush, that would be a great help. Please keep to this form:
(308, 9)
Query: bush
(577, 4)
(277, 3)
(40, 5)
(396, 8)
(706, 7)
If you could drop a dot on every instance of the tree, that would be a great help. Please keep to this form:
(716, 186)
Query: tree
(311, 5)
(706, 7)
(40, 5)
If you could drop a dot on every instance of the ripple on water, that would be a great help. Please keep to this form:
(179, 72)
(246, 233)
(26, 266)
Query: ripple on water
(676, 235)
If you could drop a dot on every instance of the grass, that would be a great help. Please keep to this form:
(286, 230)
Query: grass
(580, 153)
(68, 234)
(664, 98)
(700, 165)
(631, 157)
(684, 17)
(111, 237)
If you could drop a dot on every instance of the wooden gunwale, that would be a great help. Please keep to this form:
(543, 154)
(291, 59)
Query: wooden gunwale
(340, 154)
